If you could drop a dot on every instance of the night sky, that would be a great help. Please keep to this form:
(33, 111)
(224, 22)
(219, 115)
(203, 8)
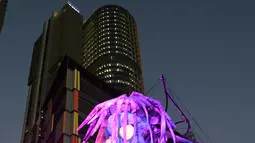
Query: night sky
(205, 49)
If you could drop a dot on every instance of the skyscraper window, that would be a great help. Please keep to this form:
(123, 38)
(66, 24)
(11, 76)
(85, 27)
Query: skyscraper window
(118, 36)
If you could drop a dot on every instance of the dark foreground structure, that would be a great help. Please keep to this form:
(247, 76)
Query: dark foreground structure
(61, 35)
(3, 7)
(73, 95)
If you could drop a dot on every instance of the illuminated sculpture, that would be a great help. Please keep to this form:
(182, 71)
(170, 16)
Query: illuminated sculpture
(130, 119)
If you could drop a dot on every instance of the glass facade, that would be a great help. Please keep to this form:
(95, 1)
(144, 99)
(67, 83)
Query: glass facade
(111, 48)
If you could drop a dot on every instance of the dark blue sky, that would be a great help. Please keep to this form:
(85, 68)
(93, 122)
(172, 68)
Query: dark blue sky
(205, 49)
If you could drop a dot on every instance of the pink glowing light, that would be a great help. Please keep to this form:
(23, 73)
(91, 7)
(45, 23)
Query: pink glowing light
(130, 119)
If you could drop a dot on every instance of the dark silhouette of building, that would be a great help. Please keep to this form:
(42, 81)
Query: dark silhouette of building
(62, 35)
(111, 48)
(3, 7)
(72, 96)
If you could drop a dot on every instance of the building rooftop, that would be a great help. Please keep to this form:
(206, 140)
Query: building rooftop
(68, 63)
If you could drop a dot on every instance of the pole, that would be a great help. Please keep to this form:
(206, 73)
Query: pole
(162, 78)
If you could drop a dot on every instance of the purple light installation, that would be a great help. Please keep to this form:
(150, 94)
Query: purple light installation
(130, 119)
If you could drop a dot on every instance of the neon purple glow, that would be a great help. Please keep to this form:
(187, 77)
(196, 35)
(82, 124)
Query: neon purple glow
(130, 119)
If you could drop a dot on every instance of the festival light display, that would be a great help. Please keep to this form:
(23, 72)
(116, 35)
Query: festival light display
(131, 119)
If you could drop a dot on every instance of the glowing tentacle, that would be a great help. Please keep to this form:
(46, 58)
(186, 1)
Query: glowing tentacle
(98, 108)
(141, 98)
(100, 135)
(147, 116)
(171, 132)
(133, 105)
(98, 114)
(91, 115)
(88, 134)
(134, 138)
(125, 122)
(170, 120)
(116, 123)
(163, 120)
(99, 122)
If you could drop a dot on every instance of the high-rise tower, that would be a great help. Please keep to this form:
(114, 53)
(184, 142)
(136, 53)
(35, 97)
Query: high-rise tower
(111, 48)
(61, 36)
(3, 7)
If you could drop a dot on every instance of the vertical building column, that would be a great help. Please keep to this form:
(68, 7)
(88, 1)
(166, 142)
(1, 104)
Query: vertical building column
(76, 106)
(70, 116)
